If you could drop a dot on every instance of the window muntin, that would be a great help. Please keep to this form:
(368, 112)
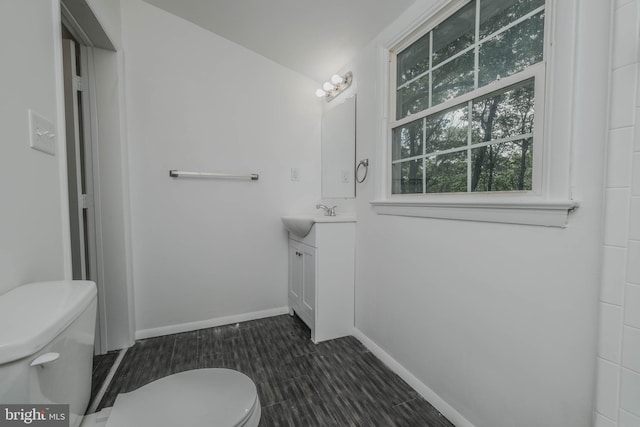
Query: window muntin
(455, 34)
(498, 14)
(511, 50)
(486, 142)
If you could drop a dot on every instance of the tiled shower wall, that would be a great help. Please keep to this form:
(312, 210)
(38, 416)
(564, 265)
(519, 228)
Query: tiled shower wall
(618, 389)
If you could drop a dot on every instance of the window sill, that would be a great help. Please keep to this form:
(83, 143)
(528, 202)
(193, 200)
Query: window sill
(542, 213)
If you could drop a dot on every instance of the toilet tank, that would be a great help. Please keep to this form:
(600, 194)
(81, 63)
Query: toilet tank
(52, 321)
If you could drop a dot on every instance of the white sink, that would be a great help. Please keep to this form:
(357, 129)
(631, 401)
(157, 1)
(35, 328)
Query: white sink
(301, 225)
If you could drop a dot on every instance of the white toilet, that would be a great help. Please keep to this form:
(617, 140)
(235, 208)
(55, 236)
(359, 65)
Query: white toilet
(201, 397)
(46, 357)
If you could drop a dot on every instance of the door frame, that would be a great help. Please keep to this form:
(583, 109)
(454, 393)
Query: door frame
(84, 206)
(107, 121)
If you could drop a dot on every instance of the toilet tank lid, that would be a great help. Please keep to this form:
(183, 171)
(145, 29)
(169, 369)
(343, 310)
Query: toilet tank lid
(32, 315)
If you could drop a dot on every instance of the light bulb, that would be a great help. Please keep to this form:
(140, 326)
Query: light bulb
(320, 93)
(337, 79)
(328, 87)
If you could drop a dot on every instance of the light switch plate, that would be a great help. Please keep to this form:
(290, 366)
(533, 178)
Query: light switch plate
(42, 136)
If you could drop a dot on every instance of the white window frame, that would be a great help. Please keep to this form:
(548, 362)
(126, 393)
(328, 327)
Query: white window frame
(549, 201)
(537, 72)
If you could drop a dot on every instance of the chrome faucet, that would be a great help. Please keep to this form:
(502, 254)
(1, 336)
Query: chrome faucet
(327, 210)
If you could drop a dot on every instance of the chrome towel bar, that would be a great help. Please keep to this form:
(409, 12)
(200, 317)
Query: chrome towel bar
(182, 174)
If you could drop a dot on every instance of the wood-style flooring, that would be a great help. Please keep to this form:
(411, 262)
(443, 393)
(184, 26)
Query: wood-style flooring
(300, 384)
(101, 367)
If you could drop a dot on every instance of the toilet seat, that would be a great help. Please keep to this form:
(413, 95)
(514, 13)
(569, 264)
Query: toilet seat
(201, 397)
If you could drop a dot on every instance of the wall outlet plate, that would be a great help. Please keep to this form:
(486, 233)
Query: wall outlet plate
(295, 174)
(345, 177)
(42, 135)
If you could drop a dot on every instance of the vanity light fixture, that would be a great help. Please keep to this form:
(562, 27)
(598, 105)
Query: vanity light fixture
(335, 87)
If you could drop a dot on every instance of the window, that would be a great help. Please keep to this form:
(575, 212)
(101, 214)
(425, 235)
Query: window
(465, 98)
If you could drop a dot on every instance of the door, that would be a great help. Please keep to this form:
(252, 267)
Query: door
(80, 172)
(302, 281)
(295, 277)
(308, 301)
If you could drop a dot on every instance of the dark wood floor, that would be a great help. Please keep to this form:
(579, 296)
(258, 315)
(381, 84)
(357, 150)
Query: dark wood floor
(300, 384)
(101, 366)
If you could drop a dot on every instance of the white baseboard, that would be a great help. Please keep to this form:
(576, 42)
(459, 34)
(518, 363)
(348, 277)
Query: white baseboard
(209, 323)
(445, 409)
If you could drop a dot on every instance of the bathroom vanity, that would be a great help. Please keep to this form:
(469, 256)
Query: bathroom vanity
(321, 277)
(322, 247)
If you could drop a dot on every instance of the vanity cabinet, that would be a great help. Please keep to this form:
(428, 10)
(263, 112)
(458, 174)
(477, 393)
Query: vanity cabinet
(321, 279)
(302, 281)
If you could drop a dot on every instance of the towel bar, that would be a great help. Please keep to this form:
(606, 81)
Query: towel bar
(182, 174)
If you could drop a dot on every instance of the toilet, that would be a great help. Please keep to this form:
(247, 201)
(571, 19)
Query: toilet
(201, 397)
(46, 358)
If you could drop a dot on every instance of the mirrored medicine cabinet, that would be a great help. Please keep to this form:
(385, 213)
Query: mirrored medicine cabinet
(338, 138)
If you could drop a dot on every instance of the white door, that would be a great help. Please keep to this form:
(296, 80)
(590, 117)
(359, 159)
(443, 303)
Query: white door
(295, 277)
(80, 172)
(308, 301)
(302, 281)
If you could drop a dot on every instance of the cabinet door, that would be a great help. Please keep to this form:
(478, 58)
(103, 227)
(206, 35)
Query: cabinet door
(295, 276)
(308, 302)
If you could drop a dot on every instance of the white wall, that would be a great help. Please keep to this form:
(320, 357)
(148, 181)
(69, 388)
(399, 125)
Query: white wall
(618, 393)
(33, 238)
(498, 320)
(206, 249)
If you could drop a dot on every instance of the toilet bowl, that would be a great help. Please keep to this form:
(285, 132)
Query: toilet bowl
(201, 397)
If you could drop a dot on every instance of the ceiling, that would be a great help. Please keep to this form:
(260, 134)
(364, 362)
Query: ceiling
(314, 38)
